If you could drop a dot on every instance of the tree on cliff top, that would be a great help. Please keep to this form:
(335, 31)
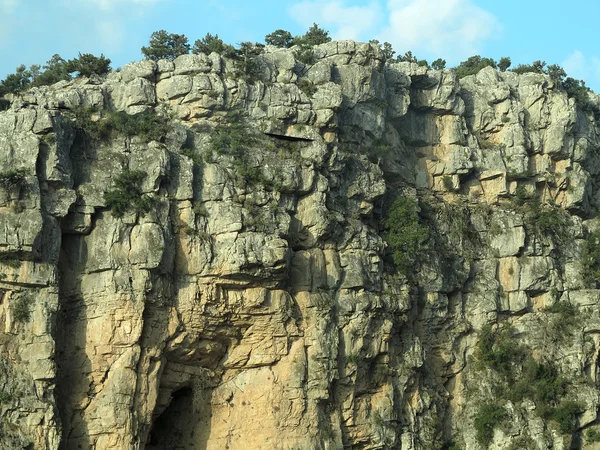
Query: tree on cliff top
(165, 45)
(314, 36)
(280, 39)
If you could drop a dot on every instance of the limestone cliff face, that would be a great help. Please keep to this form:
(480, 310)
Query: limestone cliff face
(255, 304)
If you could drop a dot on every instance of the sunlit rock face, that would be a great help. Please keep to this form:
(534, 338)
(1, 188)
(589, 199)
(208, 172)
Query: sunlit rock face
(244, 296)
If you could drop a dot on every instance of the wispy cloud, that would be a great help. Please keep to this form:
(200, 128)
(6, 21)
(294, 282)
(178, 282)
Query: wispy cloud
(577, 65)
(345, 22)
(454, 29)
(7, 6)
(109, 4)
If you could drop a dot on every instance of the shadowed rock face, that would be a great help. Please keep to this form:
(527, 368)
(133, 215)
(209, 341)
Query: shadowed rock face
(255, 304)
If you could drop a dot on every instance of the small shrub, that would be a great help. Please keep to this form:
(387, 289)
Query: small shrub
(5, 397)
(127, 194)
(448, 183)
(591, 258)
(13, 179)
(592, 435)
(565, 416)
(307, 86)
(200, 210)
(314, 36)
(568, 318)
(487, 418)
(404, 234)
(9, 261)
(21, 311)
(473, 65)
(499, 349)
(147, 125)
(305, 54)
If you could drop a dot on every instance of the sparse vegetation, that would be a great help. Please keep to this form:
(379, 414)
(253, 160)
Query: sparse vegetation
(404, 233)
(487, 418)
(13, 179)
(499, 349)
(21, 309)
(307, 86)
(127, 194)
(592, 435)
(146, 125)
(56, 69)
(591, 258)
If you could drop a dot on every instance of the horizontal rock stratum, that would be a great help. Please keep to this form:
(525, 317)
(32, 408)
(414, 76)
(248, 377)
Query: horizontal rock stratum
(192, 258)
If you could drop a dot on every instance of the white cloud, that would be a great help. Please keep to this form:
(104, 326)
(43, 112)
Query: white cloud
(108, 4)
(111, 34)
(344, 22)
(453, 29)
(8, 5)
(577, 65)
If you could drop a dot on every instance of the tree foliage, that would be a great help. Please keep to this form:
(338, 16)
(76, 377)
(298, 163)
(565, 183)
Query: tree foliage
(165, 45)
(438, 64)
(404, 233)
(280, 39)
(314, 36)
(55, 70)
(87, 65)
(127, 194)
(473, 65)
(209, 44)
(504, 63)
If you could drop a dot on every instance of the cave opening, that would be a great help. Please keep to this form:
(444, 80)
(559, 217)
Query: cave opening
(168, 431)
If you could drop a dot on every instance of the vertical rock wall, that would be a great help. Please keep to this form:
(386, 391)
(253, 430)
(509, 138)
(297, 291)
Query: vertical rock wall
(256, 305)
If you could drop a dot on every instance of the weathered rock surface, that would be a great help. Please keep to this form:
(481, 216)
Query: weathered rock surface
(263, 314)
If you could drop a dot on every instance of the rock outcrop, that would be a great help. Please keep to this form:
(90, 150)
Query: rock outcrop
(244, 295)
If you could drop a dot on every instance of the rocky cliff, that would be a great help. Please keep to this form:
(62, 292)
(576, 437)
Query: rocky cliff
(195, 257)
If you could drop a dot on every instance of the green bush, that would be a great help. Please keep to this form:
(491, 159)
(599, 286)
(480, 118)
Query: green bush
(487, 418)
(565, 416)
(499, 350)
(13, 179)
(591, 258)
(127, 194)
(314, 36)
(404, 234)
(566, 320)
(539, 381)
(473, 65)
(305, 54)
(307, 86)
(592, 435)
(147, 125)
(16, 82)
(21, 311)
(235, 139)
(87, 65)
(409, 57)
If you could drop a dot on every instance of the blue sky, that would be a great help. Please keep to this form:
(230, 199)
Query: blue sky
(555, 31)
